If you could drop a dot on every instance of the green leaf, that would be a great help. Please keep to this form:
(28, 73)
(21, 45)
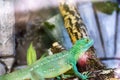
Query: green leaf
(31, 55)
(106, 7)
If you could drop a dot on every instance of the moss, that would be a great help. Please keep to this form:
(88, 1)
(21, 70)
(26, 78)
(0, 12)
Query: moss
(49, 25)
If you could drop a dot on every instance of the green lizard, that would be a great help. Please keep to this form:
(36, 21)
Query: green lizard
(54, 65)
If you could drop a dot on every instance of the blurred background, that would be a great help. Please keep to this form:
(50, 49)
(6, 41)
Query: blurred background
(101, 17)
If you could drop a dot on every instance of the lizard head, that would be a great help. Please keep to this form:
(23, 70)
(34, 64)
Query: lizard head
(81, 46)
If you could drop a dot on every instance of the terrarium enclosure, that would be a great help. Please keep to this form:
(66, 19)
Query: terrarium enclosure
(31, 30)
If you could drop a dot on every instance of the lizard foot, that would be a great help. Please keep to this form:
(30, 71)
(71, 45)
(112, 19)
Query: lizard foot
(84, 77)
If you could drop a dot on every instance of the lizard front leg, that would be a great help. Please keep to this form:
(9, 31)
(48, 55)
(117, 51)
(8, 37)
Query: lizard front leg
(83, 77)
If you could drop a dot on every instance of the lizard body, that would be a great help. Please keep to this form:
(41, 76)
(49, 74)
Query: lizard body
(54, 65)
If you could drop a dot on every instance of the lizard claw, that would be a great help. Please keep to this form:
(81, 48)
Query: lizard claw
(86, 75)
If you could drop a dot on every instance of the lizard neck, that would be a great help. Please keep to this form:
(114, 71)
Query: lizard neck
(76, 52)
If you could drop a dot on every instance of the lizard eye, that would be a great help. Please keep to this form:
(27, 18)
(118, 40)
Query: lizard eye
(87, 40)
